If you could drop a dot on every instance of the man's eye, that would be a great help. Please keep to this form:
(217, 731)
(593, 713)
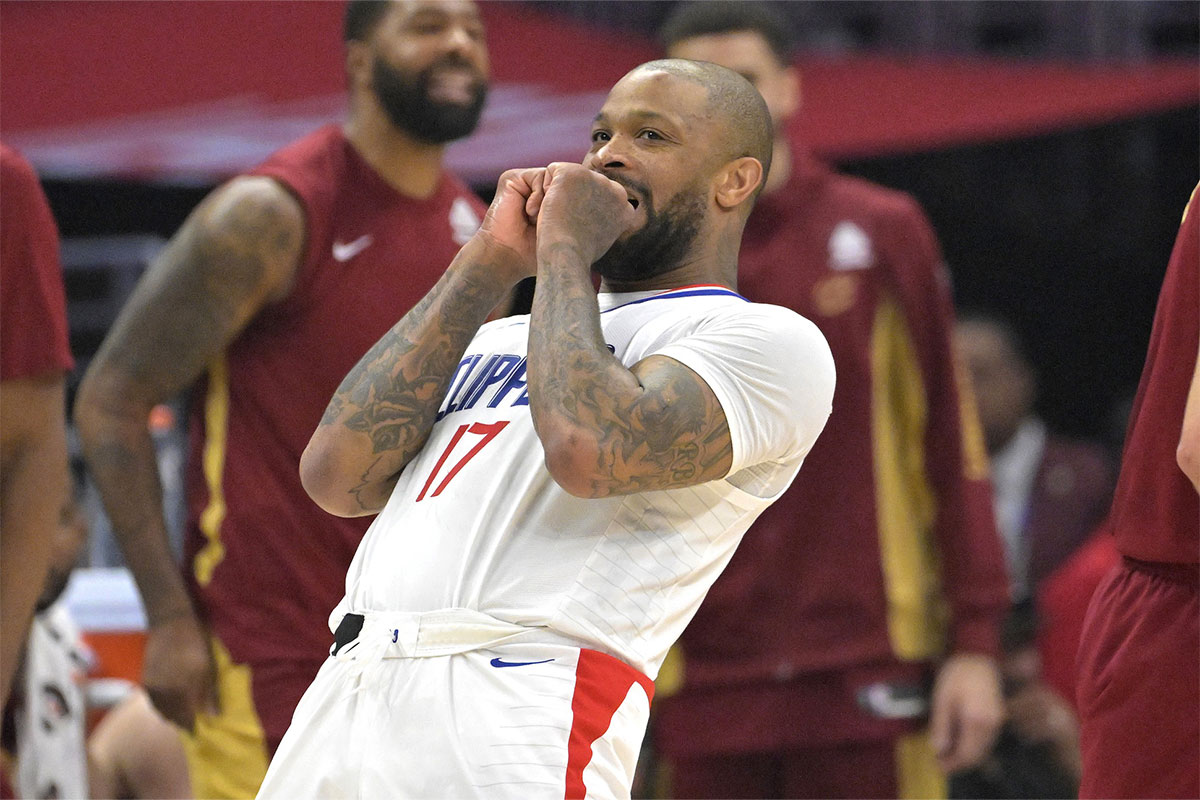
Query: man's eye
(599, 136)
(649, 134)
(427, 24)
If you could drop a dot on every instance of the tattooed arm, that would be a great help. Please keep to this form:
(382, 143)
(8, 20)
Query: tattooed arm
(607, 429)
(384, 409)
(237, 252)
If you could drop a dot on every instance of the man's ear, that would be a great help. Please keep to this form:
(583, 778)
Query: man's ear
(737, 181)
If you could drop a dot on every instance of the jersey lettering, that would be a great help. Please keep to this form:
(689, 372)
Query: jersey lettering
(497, 370)
(516, 380)
(503, 376)
(464, 367)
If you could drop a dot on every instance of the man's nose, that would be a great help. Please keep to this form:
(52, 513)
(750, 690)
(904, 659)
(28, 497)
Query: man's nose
(611, 155)
(459, 40)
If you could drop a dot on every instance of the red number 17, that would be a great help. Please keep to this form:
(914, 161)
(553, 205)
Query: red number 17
(487, 430)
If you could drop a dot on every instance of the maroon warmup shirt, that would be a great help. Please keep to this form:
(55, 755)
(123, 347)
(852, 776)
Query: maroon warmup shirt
(267, 564)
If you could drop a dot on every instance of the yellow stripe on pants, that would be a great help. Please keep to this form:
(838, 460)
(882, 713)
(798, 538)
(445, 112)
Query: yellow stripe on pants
(227, 753)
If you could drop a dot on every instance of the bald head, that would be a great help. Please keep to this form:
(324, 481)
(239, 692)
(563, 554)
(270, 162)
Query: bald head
(733, 103)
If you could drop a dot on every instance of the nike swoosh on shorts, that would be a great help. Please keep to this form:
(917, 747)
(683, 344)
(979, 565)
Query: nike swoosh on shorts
(499, 662)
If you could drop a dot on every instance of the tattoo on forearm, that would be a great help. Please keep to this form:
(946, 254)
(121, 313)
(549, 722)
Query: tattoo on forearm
(393, 393)
(123, 466)
(669, 431)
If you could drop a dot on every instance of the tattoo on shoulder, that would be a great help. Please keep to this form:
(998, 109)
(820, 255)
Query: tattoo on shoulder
(236, 251)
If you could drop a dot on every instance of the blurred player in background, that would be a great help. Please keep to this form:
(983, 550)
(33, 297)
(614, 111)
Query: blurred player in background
(260, 304)
(35, 356)
(1037, 752)
(556, 491)
(1051, 494)
(45, 720)
(867, 602)
(135, 753)
(1139, 659)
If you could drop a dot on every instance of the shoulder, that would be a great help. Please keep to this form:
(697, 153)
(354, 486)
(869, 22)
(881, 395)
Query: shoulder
(729, 316)
(794, 337)
(872, 198)
(772, 372)
(323, 144)
(253, 204)
(14, 167)
(770, 343)
(23, 193)
(310, 166)
(768, 320)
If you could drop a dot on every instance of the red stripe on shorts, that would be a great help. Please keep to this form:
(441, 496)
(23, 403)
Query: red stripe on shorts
(601, 684)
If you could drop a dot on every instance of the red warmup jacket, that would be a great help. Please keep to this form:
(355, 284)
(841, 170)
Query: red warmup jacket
(884, 551)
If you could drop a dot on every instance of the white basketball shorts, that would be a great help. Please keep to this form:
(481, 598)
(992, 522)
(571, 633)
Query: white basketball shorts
(527, 720)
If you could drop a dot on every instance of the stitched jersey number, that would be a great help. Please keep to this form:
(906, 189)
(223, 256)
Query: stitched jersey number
(487, 430)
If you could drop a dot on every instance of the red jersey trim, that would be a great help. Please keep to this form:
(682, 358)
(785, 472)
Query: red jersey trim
(601, 685)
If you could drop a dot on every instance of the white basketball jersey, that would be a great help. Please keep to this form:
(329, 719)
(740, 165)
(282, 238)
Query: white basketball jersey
(476, 521)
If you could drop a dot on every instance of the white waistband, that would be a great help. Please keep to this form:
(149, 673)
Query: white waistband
(396, 634)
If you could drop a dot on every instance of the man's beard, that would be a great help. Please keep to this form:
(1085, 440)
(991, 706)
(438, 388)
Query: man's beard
(405, 99)
(662, 243)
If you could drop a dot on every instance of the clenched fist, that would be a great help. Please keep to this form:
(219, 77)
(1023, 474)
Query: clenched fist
(581, 210)
(507, 231)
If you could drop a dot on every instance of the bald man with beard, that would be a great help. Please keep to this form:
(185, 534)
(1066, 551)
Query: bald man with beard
(556, 492)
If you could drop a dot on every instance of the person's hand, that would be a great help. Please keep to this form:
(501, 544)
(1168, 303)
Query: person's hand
(178, 671)
(1040, 716)
(580, 209)
(507, 232)
(967, 711)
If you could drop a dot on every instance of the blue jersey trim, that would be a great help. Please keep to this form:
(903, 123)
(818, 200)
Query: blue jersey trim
(684, 293)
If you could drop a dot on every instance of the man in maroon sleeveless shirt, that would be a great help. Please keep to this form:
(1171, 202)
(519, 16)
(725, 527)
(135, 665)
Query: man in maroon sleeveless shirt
(267, 296)
(1139, 657)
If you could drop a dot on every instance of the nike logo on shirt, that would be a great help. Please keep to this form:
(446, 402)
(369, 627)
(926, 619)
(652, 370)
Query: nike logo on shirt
(499, 662)
(348, 250)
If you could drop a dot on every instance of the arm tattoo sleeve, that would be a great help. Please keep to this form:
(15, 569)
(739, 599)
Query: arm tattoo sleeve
(237, 248)
(654, 426)
(391, 397)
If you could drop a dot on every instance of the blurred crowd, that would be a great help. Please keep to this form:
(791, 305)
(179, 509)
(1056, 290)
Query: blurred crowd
(902, 622)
